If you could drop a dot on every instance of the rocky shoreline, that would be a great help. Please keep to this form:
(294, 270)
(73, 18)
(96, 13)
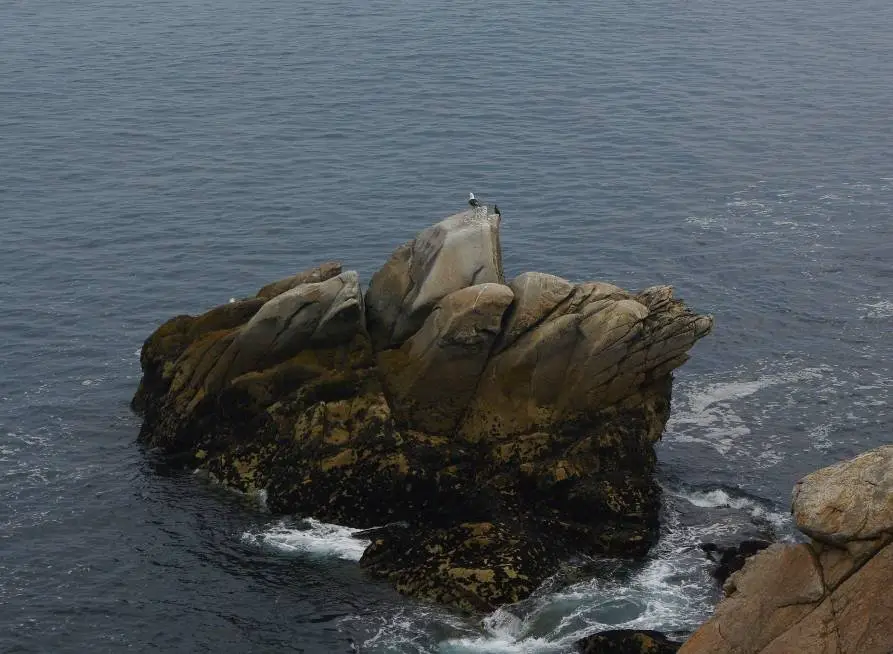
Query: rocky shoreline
(830, 595)
(499, 428)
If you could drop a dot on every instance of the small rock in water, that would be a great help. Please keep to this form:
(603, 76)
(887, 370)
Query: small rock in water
(372, 532)
(627, 641)
(731, 558)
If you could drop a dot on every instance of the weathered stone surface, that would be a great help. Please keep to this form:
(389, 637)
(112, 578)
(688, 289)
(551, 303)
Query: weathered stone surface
(597, 347)
(627, 641)
(315, 314)
(855, 619)
(831, 595)
(817, 632)
(536, 296)
(850, 501)
(498, 430)
(863, 607)
(775, 589)
(309, 316)
(171, 340)
(319, 274)
(453, 345)
(462, 250)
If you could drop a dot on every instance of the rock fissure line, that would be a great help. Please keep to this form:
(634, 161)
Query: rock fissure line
(835, 624)
(203, 359)
(477, 272)
(274, 344)
(492, 351)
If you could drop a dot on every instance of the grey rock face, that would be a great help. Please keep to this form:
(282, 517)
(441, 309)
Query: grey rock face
(308, 315)
(460, 251)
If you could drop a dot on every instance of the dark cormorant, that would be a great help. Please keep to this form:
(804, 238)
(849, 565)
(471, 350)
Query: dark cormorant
(496, 210)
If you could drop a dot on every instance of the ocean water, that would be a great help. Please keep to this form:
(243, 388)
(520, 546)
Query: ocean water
(160, 157)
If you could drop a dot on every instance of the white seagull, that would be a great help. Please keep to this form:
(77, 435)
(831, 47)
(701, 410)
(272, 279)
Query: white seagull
(473, 201)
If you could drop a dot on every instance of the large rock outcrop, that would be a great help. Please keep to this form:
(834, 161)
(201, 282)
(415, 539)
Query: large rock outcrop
(831, 595)
(495, 428)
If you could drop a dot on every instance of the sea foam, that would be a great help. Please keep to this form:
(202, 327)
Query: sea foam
(310, 536)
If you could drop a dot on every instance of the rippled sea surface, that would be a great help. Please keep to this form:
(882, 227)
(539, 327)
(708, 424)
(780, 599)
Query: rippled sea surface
(160, 157)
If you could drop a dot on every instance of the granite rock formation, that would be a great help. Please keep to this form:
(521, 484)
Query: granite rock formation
(496, 428)
(831, 595)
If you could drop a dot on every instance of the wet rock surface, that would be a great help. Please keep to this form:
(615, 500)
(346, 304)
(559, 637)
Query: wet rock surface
(624, 641)
(731, 558)
(829, 595)
(496, 428)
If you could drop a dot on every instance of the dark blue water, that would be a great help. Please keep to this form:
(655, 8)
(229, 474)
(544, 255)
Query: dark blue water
(159, 157)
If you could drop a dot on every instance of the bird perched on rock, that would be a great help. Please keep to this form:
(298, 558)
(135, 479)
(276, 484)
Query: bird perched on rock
(496, 210)
(473, 201)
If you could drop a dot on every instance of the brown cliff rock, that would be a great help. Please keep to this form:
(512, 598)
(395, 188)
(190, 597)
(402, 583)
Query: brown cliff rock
(830, 595)
(850, 501)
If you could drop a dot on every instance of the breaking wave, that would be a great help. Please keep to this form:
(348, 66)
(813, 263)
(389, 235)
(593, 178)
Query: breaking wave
(310, 536)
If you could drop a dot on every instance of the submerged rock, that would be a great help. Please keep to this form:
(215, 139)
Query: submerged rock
(830, 595)
(496, 428)
(627, 641)
(731, 558)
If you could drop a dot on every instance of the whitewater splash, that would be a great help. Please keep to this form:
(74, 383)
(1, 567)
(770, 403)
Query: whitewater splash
(711, 414)
(760, 511)
(312, 537)
(670, 591)
(880, 309)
